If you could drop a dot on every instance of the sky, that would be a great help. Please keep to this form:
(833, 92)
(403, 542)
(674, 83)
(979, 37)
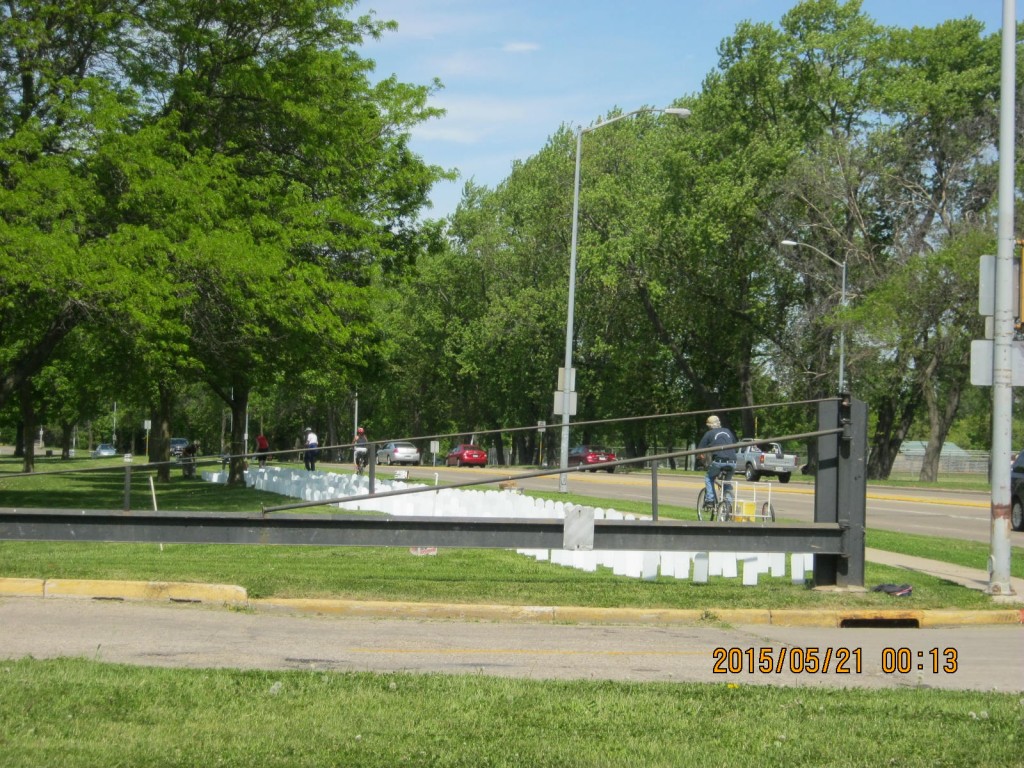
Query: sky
(514, 71)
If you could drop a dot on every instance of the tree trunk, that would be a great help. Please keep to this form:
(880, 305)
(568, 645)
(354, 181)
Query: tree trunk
(333, 434)
(748, 428)
(497, 454)
(66, 431)
(160, 448)
(239, 407)
(940, 419)
(28, 423)
(890, 431)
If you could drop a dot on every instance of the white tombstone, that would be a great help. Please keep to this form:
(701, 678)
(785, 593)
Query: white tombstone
(649, 565)
(701, 567)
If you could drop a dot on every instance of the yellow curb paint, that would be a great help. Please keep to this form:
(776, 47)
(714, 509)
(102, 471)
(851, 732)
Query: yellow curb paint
(21, 587)
(145, 590)
(794, 617)
(743, 615)
(961, 618)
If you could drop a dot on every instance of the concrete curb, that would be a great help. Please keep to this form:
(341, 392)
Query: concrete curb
(173, 591)
(648, 616)
(228, 594)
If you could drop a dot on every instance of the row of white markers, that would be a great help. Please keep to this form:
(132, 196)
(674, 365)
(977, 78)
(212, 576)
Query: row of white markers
(450, 502)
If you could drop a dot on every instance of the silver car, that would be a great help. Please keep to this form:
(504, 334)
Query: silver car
(398, 453)
(103, 451)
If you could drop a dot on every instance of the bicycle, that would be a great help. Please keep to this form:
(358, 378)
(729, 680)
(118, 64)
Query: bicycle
(720, 509)
(735, 510)
(361, 457)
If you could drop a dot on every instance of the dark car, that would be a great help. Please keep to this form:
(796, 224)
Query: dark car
(586, 455)
(1017, 493)
(178, 445)
(466, 456)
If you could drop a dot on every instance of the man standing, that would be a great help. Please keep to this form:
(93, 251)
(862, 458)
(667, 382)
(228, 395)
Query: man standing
(721, 461)
(312, 450)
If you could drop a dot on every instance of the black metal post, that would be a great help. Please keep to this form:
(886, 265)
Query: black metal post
(654, 490)
(853, 418)
(127, 487)
(840, 489)
(371, 464)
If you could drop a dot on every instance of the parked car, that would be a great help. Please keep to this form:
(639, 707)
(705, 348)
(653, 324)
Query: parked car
(1017, 493)
(178, 445)
(103, 451)
(398, 453)
(466, 456)
(755, 460)
(591, 454)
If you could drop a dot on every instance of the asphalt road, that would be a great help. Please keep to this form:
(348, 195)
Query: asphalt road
(174, 635)
(953, 514)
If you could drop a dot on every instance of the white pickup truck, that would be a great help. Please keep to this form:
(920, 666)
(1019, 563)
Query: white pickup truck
(756, 459)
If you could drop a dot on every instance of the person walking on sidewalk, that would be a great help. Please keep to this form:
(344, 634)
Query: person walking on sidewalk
(721, 461)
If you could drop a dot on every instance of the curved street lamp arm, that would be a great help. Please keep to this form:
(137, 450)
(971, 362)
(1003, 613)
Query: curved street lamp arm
(677, 111)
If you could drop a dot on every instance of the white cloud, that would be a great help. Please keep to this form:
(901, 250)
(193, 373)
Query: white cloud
(520, 47)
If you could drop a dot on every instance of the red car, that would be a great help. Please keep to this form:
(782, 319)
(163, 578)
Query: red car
(591, 454)
(466, 456)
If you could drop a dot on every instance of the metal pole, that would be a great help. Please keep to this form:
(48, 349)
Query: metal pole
(654, 490)
(842, 302)
(842, 336)
(1002, 369)
(567, 382)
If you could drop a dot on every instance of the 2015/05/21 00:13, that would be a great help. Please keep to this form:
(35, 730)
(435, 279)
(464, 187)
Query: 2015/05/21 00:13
(842, 660)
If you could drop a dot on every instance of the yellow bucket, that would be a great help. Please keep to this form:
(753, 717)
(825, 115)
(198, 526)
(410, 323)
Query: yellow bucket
(745, 512)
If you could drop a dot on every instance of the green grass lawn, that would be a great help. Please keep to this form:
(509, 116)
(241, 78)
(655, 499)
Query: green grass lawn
(77, 713)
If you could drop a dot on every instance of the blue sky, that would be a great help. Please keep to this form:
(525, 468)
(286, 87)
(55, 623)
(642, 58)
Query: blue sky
(515, 70)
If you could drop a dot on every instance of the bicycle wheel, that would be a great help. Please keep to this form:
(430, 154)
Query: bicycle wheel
(768, 512)
(703, 514)
(725, 511)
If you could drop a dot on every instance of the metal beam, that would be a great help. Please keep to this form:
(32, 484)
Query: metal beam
(361, 531)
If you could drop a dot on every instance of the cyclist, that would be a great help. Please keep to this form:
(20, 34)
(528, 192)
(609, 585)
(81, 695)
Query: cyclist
(722, 461)
(262, 449)
(360, 450)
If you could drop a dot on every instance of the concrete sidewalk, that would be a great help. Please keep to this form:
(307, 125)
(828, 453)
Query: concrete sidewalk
(971, 578)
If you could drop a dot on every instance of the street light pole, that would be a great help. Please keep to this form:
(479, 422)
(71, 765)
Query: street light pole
(568, 379)
(842, 301)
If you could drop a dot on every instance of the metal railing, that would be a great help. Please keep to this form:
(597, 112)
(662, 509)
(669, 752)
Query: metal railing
(836, 537)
